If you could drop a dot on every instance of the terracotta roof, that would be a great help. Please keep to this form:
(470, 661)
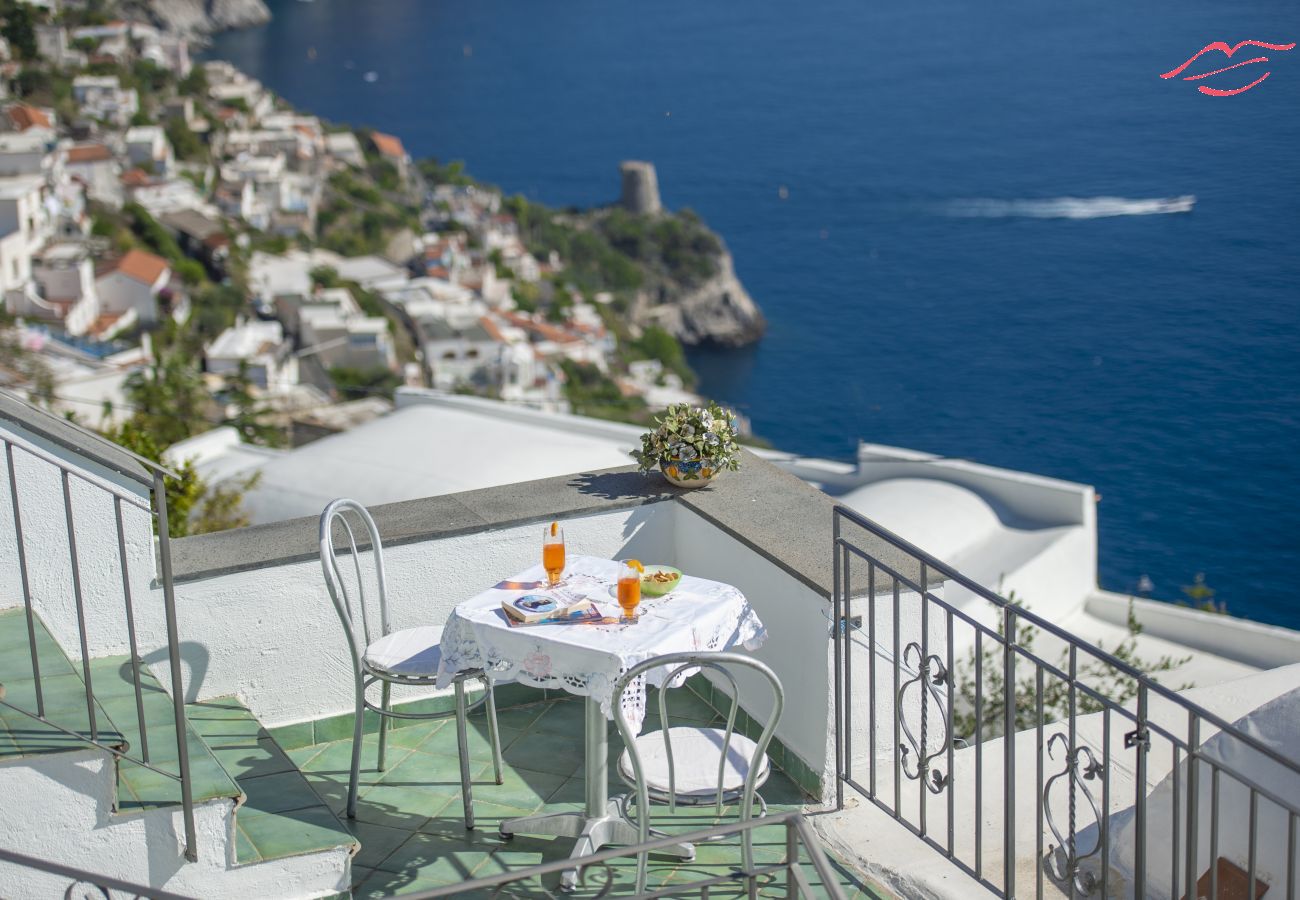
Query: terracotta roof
(24, 117)
(438, 272)
(387, 145)
(83, 153)
(135, 178)
(544, 329)
(143, 267)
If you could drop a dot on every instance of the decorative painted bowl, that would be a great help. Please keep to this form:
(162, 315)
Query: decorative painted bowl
(653, 586)
(693, 474)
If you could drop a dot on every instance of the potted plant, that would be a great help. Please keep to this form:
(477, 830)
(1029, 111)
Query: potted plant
(690, 444)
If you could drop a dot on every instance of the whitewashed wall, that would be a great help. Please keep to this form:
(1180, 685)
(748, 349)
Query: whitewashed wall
(272, 635)
(49, 562)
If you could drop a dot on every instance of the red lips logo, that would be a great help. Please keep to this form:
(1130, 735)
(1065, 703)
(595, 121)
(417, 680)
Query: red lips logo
(1226, 51)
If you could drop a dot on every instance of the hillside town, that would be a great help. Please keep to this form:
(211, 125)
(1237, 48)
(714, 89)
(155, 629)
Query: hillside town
(178, 246)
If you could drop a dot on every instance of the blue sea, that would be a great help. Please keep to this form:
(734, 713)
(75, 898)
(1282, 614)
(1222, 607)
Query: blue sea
(897, 181)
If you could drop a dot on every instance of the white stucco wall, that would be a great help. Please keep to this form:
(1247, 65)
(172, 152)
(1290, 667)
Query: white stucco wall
(272, 635)
(49, 562)
(59, 807)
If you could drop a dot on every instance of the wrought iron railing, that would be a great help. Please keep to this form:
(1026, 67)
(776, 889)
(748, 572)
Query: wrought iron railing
(599, 877)
(967, 704)
(16, 447)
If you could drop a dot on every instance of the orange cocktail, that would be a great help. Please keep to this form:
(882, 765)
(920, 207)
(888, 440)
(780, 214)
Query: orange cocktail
(629, 587)
(553, 552)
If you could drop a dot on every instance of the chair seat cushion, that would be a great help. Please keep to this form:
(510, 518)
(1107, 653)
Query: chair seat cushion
(696, 752)
(412, 651)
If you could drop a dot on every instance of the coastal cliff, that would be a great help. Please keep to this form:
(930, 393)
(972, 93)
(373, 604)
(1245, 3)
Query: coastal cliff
(201, 17)
(716, 311)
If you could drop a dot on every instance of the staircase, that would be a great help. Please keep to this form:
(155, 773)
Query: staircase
(94, 784)
(262, 831)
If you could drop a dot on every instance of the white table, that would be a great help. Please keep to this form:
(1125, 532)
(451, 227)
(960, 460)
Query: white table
(699, 615)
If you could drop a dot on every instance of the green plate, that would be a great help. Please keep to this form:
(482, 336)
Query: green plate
(654, 588)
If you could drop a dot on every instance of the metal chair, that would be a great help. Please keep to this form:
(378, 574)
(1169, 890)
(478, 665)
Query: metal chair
(691, 764)
(408, 657)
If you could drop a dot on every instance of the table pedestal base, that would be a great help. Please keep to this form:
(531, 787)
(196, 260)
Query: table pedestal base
(613, 828)
(602, 822)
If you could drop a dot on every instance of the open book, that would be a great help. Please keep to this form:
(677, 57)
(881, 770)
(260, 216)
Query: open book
(549, 606)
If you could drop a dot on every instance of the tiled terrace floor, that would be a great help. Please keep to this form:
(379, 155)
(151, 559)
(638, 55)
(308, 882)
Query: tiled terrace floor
(409, 817)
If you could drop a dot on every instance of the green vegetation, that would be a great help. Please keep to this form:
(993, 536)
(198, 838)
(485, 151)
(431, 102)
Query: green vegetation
(656, 343)
(357, 384)
(19, 28)
(185, 142)
(357, 218)
(1117, 687)
(592, 393)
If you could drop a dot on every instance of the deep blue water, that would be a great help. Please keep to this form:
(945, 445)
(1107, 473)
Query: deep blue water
(1154, 356)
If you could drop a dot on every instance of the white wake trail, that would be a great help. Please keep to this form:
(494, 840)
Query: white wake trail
(1069, 207)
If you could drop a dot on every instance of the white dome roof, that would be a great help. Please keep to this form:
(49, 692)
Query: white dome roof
(939, 517)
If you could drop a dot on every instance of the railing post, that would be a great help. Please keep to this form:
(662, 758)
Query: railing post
(1143, 743)
(1193, 796)
(836, 637)
(22, 574)
(174, 659)
(1009, 751)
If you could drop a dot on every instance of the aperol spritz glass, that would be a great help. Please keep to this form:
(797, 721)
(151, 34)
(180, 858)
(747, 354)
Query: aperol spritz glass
(553, 552)
(629, 587)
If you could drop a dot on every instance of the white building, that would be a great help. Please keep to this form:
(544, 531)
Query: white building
(331, 327)
(102, 97)
(261, 348)
(147, 147)
(95, 166)
(133, 285)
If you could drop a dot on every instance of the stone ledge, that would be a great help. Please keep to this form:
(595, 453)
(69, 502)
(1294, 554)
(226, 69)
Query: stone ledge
(765, 508)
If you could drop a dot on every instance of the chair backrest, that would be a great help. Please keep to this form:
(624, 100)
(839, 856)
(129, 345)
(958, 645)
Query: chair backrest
(679, 665)
(354, 611)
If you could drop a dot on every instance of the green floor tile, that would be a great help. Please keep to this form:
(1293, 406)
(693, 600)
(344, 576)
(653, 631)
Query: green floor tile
(245, 852)
(377, 842)
(277, 793)
(540, 751)
(277, 835)
(429, 858)
(252, 759)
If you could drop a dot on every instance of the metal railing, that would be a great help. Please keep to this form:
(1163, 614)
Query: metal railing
(16, 447)
(599, 876)
(966, 706)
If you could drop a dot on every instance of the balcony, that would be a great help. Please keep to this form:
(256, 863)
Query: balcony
(256, 658)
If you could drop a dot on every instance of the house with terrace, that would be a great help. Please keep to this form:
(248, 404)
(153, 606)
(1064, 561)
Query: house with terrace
(180, 714)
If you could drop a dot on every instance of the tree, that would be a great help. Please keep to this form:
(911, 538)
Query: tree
(182, 493)
(221, 507)
(357, 384)
(151, 234)
(184, 141)
(169, 399)
(249, 415)
(1117, 687)
(195, 84)
(19, 29)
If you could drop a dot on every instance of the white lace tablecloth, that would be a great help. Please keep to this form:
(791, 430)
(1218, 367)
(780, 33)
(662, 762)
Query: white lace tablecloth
(587, 659)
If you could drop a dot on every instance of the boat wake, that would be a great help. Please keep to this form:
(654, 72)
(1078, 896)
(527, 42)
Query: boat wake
(1068, 207)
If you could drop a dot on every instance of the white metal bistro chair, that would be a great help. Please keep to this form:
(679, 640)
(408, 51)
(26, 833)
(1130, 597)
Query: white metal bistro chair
(408, 657)
(695, 764)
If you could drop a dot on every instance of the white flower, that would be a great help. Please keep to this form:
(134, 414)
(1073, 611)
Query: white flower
(711, 439)
(686, 453)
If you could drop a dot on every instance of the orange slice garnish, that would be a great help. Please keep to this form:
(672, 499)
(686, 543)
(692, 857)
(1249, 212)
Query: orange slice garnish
(636, 564)
(555, 528)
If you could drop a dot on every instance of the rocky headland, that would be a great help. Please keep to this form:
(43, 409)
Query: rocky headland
(203, 17)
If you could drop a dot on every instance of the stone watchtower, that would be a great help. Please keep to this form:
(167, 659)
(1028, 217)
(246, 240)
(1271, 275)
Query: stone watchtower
(640, 187)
